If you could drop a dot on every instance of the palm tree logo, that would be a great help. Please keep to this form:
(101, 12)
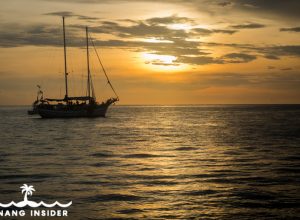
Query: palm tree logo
(27, 190)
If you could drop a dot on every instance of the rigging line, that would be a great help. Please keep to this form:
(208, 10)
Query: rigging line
(108, 81)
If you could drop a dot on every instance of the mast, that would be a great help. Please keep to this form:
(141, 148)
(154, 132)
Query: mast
(65, 59)
(88, 64)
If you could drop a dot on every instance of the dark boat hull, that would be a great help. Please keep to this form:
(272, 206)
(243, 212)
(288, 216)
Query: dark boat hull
(32, 112)
(51, 111)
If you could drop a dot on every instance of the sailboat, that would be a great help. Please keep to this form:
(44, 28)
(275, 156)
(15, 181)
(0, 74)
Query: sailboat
(80, 106)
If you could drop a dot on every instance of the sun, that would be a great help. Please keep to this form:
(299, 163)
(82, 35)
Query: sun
(163, 59)
(162, 62)
(176, 26)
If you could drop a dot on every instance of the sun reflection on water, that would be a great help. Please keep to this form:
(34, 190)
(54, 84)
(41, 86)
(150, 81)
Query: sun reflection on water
(158, 162)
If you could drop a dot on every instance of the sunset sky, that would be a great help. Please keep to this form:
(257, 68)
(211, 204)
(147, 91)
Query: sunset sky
(155, 52)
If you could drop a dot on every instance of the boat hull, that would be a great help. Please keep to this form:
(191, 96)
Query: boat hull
(74, 112)
(32, 112)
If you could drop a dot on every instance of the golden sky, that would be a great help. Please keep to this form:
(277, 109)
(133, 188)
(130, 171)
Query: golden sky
(155, 52)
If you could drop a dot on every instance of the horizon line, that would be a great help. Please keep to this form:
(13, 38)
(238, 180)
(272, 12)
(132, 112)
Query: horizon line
(15, 105)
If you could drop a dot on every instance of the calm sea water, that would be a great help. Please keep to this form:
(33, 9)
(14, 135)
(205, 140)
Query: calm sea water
(155, 162)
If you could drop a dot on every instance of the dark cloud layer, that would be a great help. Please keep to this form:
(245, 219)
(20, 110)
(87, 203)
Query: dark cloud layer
(239, 58)
(71, 14)
(280, 8)
(170, 41)
(293, 29)
(168, 20)
(286, 8)
(204, 31)
(278, 51)
(270, 52)
(248, 26)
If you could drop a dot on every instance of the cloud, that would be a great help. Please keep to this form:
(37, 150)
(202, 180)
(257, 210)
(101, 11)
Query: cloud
(289, 50)
(272, 80)
(260, 8)
(224, 4)
(224, 31)
(228, 58)
(161, 63)
(226, 80)
(204, 31)
(270, 52)
(238, 58)
(276, 8)
(37, 35)
(140, 29)
(173, 19)
(61, 13)
(71, 14)
(198, 60)
(271, 57)
(137, 36)
(286, 69)
(281, 8)
(248, 26)
(156, 27)
(294, 29)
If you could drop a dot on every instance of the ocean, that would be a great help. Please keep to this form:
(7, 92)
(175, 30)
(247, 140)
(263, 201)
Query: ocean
(157, 162)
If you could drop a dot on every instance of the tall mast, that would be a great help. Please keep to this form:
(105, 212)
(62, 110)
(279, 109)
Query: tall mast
(88, 63)
(65, 58)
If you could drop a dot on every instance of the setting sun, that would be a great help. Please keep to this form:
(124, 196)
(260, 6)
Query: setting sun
(161, 62)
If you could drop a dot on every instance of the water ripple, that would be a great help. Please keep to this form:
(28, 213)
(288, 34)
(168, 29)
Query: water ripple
(158, 162)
